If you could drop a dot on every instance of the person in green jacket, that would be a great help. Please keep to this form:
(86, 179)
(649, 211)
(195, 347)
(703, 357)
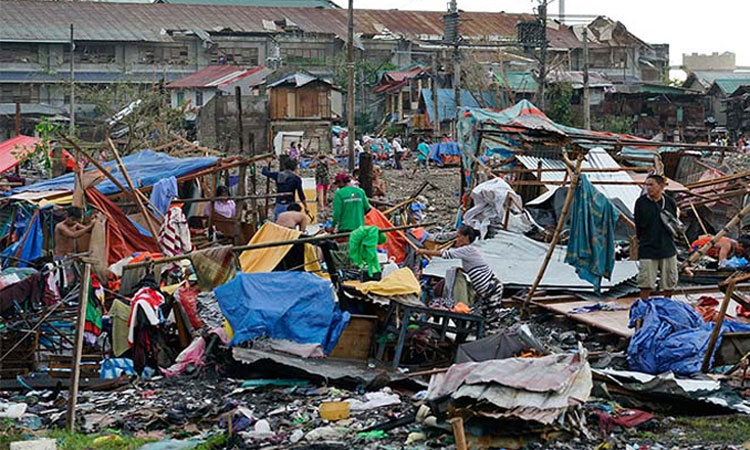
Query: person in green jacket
(350, 205)
(363, 249)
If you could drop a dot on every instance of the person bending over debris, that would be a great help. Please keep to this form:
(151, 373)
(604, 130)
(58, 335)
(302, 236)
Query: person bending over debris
(350, 205)
(488, 287)
(69, 230)
(287, 182)
(725, 248)
(293, 218)
(657, 254)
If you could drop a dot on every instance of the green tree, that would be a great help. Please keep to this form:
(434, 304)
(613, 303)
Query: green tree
(558, 104)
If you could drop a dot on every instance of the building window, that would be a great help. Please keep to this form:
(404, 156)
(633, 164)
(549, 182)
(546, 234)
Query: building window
(171, 55)
(91, 54)
(304, 56)
(18, 53)
(199, 98)
(22, 93)
(180, 98)
(241, 56)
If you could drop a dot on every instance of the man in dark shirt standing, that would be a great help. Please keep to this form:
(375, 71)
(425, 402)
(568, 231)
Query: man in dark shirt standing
(287, 182)
(657, 254)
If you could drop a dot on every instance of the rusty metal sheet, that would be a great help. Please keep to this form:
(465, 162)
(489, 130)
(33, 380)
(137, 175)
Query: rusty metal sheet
(132, 22)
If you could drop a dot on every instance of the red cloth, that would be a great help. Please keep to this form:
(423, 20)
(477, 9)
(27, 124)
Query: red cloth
(123, 238)
(396, 243)
(706, 307)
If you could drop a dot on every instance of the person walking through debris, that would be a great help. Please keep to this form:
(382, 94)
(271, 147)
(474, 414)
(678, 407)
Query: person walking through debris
(724, 249)
(423, 154)
(287, 182)
(350, 205)
(657, 253)
(69, 230)
(488, 287)
(293, 218)
(398, 152)
(322, 181)
(224, 206)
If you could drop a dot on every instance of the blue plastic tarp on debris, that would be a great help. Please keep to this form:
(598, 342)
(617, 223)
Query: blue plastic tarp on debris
(437, 151)
(673, 337)
(297, 306)
(145, 168)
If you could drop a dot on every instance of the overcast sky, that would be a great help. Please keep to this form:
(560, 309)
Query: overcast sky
(688, 26)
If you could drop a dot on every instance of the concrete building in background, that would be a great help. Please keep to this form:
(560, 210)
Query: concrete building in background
(160, 43)
(709, 62)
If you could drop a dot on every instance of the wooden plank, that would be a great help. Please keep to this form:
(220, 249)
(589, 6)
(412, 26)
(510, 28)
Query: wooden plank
(78, 349)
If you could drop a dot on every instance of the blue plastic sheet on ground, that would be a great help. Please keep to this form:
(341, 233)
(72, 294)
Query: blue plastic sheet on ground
(297, 306)
(673, 337)
(145, 168)
(591, 247)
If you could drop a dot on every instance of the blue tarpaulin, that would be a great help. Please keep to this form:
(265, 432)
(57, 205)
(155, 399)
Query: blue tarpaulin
(591, 247)
(437, 151)
(673, 337)
(297, 306)
(145, 168)
(31, 240)
(447, 102)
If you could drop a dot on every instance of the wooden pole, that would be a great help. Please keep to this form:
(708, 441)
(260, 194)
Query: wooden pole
(78, 349)
(717, 328)
(306, 240)
(586, 93)
(698, 217)
(574, 178)
(365, 172)
(146, 215)
(350, 88)
(459, 435)
(17, 122)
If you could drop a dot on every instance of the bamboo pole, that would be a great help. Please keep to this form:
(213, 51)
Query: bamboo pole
(574, 177)
(719, 180)
(697, 216)
(306, 240)
(78, 349)
(717, 328)
(146, 215)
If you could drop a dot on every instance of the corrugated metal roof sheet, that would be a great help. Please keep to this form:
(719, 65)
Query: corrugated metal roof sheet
(597, 158)
(518, 81)
(46, 21)
(516, 260)
(728, 86)
(214, 76)
(279, 3)
(14, 150)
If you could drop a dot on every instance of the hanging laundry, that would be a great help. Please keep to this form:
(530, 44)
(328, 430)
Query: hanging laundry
(591, 248)
(174, 235)
(163, 192)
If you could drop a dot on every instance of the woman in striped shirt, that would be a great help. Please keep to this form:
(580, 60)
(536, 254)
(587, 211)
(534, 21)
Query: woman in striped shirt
(488, 287)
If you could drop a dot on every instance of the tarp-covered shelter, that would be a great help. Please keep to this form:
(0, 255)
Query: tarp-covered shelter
(145, 168)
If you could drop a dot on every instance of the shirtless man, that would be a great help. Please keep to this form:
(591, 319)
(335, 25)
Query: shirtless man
(69, 230)
(293, 218)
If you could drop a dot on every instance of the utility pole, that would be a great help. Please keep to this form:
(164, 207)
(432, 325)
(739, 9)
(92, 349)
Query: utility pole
(350, 87)
(72, 85)
(451, 36)
(586, 92)
(435, 108)
(561, 4)
(543, 54)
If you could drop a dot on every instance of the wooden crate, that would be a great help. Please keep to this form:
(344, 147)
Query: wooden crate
(21, 360)
(60, 366)
(357, 338)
